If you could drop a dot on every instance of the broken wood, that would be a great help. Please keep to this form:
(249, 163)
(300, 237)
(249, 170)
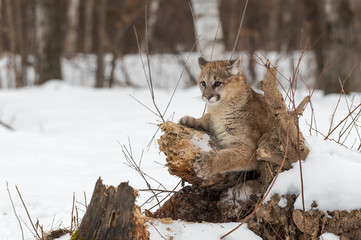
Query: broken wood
(112, 215)
(285, 134)
(181, 146)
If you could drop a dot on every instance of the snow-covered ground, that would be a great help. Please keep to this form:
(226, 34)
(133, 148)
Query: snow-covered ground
(67, 136)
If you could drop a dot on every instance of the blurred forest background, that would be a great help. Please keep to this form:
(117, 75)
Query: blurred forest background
(37, 34)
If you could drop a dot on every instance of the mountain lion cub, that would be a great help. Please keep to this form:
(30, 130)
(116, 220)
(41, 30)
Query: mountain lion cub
(237, 116)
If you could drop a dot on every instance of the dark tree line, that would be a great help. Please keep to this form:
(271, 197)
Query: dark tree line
(50, 29)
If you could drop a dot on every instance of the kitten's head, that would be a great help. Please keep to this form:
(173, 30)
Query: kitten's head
(216, 78)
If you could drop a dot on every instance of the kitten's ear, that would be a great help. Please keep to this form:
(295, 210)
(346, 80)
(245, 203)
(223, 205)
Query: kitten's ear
(202, 62)
(235, 66)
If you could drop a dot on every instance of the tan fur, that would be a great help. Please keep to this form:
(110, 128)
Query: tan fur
(237, 116)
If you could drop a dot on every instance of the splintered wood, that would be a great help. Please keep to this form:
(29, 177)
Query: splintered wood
(112, 214)
(181, 146)
(285, 142)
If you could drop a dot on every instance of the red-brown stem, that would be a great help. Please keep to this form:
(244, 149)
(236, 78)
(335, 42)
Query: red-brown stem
(342, 121)
(342, 90)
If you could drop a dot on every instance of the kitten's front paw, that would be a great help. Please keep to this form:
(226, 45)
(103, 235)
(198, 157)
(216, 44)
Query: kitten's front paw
(188, 122)
(203, 165)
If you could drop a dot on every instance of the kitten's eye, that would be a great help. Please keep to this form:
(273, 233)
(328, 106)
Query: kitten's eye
(203, 83)
(217, 84)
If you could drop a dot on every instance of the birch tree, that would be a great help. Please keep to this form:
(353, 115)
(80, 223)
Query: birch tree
(48, 45)
(208, 29)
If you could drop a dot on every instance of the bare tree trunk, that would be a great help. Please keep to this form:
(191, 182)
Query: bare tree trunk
(152, 19)
(101, 40)
(88, 28)
(11, 22)
(22, 76)
(339, 48)
(1, 26)
(48, 40)
(12, 40)
(71, 36)
(208, 27)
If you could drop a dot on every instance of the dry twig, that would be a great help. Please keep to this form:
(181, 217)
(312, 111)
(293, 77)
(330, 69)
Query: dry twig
(16, 215)
(27, 212)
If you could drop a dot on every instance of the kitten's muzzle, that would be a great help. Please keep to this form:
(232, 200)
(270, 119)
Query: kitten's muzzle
(211, 98)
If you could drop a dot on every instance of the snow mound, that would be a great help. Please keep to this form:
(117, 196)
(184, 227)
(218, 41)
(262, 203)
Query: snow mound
(331, 176)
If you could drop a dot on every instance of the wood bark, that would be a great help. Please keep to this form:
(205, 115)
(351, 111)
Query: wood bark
(335, 20)
(48, 47)
(101, 41)
(181, 144)
(281, 146)
(1, 27)
(112, 215)
(21, 42)
(71, 37)
(12, 41)
(88, 27)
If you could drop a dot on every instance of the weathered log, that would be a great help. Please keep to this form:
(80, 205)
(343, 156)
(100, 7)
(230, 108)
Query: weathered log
(112, 215)
(285, 141)
(181, 146)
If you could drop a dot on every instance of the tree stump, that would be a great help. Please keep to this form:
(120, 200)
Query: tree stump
(281, 146)
(112, 215)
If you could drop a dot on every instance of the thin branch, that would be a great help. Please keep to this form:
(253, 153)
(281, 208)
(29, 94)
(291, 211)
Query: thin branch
(157, 190)
(27, 212)
(157, 231)
(16, 215)
(342, 91)
(179, 79)
(6, 125)
(85, 202)
(72, 215)
(166, 196)
(149, 80)
(342, 121)
(331, 139)
(239, 29)
(129, 157)
(195, 28)
(215, 39)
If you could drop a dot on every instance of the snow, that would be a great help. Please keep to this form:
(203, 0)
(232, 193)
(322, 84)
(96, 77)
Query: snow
(68, 135)
(330, 174)
(329, 236)
(202, 142)
(283, 202)
(178, 230)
